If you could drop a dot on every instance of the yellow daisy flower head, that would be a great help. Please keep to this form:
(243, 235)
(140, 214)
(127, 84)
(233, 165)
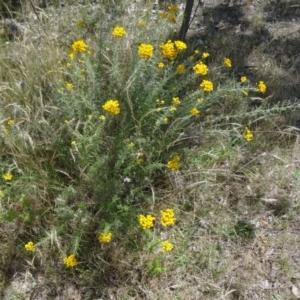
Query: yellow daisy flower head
(176, 100)
(166, 246)
(174, 164)
(105, 237)
(261, 87)
(247, 135)
(8, 176)
(70, 261)
(195, 112)
(146, 221)
(180, 45)
(181, 69)
(200, 68)
(79, 46)
(169, 50)
(227, 62)
(112, 106)
(207, 86)
(119, 31)
(161, 65)
(145, 51)
(30, 247)
(167, 217)
(243, 79)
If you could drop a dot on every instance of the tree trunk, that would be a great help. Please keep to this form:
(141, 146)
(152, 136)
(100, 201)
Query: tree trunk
(186, 19)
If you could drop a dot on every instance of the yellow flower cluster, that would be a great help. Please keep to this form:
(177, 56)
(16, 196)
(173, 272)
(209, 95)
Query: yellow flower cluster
(8, 176)
(69, 85)
(112, 106)
(181, 69)
(10, 122)
(166, 246)
(145, 50)
(146, 221)
(79, 46)
(261, 87)
(160, 65)
(167, 217)
(180, 45)
(170, 49)
(118, 31)
(227, 62)
(105, 237)
(200, 68)
(169, 16)
(195, 112)
(205, 54)
(176, 101)
(172, 109)
(70, 261)
(173, 164)
(207, 86)
(247, 135)
(30, 247)
(173, 8)
(243, 79)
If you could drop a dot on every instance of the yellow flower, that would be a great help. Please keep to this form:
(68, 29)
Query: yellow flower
(173, 8)
(73, 143)
(172, 18)
(194, 112)
(102, 118)
(173, 164)
(69, 85)
(180, 45)
(158, 109)
(131, 145)
(30, 247)
(112, 106)
(8, 176)
(104, 237)
(261, 87)
(79, 46)
(71, 54)
(142, 24)
(205, 54)
(191, 57)
(118, 31)
(10, 122)
(139, 161)
(176, 100)
(207, 86)
(247, 135)
(243, 79)
(167, 217)
(68, 65)
(145, 51)
(162, 102)
(181, 69)
(168, 50)
(200, 100)
(70, 261)
(166, 120)
(146, 221)
(200, 68)
(196, 51)
(172, 109)
(166, 246)
(160, 65)
(227, 62)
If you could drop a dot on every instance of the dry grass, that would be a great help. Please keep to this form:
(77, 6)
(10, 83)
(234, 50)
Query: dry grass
(237, 208)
